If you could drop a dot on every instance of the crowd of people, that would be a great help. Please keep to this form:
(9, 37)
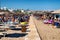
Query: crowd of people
(49, 19)
(14, 18)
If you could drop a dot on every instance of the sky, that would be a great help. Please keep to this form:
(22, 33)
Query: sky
(31, 4)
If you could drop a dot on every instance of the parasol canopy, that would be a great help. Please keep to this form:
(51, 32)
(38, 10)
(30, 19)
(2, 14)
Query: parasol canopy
(1, 13)
(56, 12)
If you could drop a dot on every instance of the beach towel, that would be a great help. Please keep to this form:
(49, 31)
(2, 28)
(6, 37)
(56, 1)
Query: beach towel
(45, 21)
(50, 21)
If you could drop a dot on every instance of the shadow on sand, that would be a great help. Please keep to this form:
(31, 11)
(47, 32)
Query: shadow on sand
(16, 35)
(17, 29)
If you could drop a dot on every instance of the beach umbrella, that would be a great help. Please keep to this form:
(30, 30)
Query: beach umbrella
(56, 12)
(1, 13)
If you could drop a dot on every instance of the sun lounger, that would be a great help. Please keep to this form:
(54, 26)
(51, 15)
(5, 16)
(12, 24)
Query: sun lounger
(12, 26)
(1, 34)
(4, 27)
(15, 23)
(48, 21)
(1, 29)
(1, 24)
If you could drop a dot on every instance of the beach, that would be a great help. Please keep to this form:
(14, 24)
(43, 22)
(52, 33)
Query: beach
(46, 31)
(30, 34)
(36, 30)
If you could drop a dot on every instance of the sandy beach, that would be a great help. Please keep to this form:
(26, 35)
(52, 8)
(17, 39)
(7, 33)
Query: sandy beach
(29, 19)
(36, 30)
(47, 32)
(30, 34)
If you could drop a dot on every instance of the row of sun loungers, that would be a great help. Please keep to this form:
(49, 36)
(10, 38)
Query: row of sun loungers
(5, 27)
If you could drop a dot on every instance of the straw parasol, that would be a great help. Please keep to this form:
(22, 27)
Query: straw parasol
(1, 13)
(56, 12)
